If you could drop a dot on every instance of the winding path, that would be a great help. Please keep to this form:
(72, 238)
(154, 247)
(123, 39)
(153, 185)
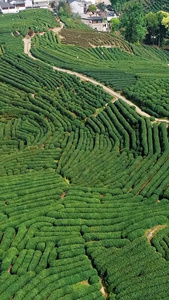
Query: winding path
(27, 48)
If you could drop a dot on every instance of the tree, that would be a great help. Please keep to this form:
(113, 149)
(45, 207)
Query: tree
(132, 22)
(163, 27)
(114, 24)
(92, 8)
(157, 25)
(165, 19)
(101, 6)
(153, 26)
(118, 4)
(64, 9)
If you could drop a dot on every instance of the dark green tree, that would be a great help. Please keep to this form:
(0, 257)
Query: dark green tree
(92, 8)
(163, 28)
(101, 6)
(132, 22)
(118, 4)
(153, 27)
(114, 24)
(64, 9)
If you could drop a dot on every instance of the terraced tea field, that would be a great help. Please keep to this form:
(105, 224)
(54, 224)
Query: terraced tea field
(86, 39)
(154, 6)
(139, 72)
(13, 27)
(149, 5)
(84, 190)
(84, 178)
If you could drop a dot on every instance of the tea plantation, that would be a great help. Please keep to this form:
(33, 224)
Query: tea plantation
(13, 27)
(140, 72)
(149, 5)
(84, 179)
(82, 183)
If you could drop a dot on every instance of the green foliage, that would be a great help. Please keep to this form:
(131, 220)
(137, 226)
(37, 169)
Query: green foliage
(92, 8)
(149, 5)
(101, 6)
(114, 24)
(155, 27)
(64, 9)
(14, 27)
(83, 175)
(132, 22)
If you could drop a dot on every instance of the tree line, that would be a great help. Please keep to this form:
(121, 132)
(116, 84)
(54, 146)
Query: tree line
(135, 26)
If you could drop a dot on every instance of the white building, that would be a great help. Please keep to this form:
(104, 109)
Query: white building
(80, 6)
(77, 6)
(28, 3)
(8, 8)
(14, 6)
(96, 22)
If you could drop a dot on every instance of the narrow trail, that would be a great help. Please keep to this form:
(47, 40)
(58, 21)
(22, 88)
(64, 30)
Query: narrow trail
(150, 233)
(27, 48)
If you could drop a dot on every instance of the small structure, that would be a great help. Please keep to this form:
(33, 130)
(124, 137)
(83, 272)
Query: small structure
(80, 6)
(40, 3)
(19, 4)
(7, 8)
(110, 15)
(14, 6)
(28, 3)
(77, 6)
(96, 22)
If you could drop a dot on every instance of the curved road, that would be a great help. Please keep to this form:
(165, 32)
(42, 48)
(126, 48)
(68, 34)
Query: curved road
(27, 47)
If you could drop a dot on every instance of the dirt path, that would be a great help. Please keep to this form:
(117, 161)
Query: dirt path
(57, 29)
(150, 233)
(27, 39)
(103, 289)
(27, 47)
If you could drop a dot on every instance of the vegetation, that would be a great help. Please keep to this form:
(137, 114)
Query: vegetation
(13, 27)
(70, 19)
(141, 72)
(149, 5)
(35, 19)
(114, 24)
(92, 8)
(86, 39)
(83, 177)
(137, 26)
(66, 213)
(132, 22)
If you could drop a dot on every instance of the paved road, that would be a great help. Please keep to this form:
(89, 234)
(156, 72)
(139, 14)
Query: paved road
(27, 47)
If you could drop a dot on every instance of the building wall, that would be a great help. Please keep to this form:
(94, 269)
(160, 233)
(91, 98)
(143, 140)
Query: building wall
(100, 26)
(40, 3)
(21, 8)
(10, 11)
(111, 17)
(28, 3)
(97, 26)
(77, 7)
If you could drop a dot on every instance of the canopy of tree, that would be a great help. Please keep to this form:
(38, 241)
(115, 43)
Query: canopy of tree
(132, 22)
(92, 8)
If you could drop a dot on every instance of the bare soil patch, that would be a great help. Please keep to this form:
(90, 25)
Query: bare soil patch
(84, 282)
(103, 289)
(63, 195)
(150, 233)
(9, 269)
